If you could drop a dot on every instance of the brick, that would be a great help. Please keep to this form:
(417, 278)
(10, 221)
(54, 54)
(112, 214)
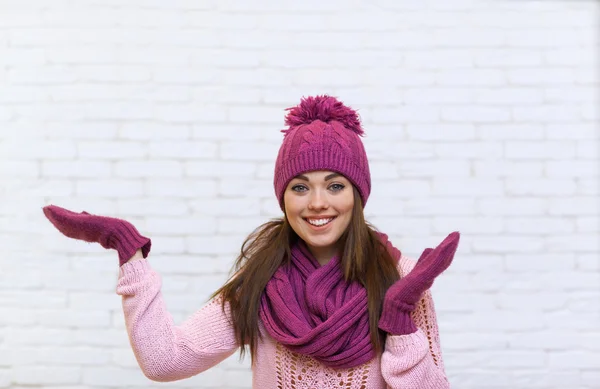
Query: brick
(70, 319)
(406, 78)
(512, 243)
(18, 57)
(433, 168)
(479, 150)
(40, 75)
(537, 150)
(411, 225)
(151, 207)
(587, 149)
(180, 225)
(547, 113)
(239, 151)
(86, 300)
(237, 225)
(590, 112)
(503, 168)
(540, 187)
(235, 187)
(467, 187)
(61, 355)
(154, 131)
(180, 188)
(22, 94)
(63, 149)
(191, 264)
(112, 73)
(94, 131)
(228, 95)
(541, 76)
(439, 59)
(380, 171)
(578, 243)
(471, 77)
(19, 169)
(469, 225)
(588, 187)
(121, 110)
(570, 94)
(83, 55)
(76, 169)
(542, 301)
(588, 224)
(227, 207)
(510, 131)
(564, 169)
(509, 96)
(185, 75)
(124, 358)
(539, 263)
(440, 132)
(245, 114)
(531, 38)
(477, 114)
(154, 168)
(507, 57)
(116, 188)
(105, 376)
(16, 316)
(460, 205)
(574, 206)
(573, 359)
(399, 150)
(111, 150)
(537, 226)
(403, 188)
(569, 56)
(45, 375)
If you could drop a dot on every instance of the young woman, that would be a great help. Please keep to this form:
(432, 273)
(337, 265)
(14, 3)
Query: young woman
(318, 297)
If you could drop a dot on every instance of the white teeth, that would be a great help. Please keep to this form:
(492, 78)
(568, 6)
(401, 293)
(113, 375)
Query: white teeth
(319, 222)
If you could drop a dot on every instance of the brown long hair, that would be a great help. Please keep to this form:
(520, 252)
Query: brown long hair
(364, 259)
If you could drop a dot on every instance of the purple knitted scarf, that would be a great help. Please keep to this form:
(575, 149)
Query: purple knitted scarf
(311, 310)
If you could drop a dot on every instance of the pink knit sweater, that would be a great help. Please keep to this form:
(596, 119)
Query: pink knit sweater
(167, 352)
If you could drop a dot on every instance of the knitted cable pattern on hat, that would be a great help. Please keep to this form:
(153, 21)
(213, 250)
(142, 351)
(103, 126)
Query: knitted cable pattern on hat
(323, 134)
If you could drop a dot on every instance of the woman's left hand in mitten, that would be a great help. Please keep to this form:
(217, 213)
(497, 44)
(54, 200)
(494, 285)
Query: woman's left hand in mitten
(401, 298)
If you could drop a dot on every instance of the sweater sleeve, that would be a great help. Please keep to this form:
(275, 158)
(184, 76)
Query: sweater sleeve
(164, 351)
(415, 360)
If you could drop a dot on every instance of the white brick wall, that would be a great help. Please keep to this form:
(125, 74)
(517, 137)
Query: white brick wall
(481, 116)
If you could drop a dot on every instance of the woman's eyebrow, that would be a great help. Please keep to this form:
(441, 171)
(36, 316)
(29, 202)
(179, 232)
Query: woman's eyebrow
(327, 177)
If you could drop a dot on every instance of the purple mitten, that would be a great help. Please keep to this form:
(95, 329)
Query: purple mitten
(111, 233)
(402, 297)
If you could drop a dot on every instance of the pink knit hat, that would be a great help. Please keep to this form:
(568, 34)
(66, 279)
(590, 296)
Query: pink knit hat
(323, 134)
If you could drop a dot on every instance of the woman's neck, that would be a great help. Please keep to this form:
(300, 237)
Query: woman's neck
(323, 254)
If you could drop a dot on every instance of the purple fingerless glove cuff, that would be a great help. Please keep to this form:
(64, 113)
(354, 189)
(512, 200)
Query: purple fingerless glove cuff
(127, 240)
(396, 320)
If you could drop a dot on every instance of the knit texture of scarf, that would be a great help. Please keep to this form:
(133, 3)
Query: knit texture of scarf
(312, 310)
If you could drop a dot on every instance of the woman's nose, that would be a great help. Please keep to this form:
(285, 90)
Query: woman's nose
(318, 200)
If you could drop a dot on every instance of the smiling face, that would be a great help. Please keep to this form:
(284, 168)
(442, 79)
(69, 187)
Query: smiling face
(318, 206)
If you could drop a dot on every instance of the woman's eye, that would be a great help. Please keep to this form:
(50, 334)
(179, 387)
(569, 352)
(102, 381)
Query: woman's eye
(336, 187)
(298, 188)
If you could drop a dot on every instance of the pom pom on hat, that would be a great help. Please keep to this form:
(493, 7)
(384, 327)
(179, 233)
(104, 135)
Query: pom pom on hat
(324, 108)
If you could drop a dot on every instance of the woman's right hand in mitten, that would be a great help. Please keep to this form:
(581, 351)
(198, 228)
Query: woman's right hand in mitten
(111, 233)
(401, 298)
